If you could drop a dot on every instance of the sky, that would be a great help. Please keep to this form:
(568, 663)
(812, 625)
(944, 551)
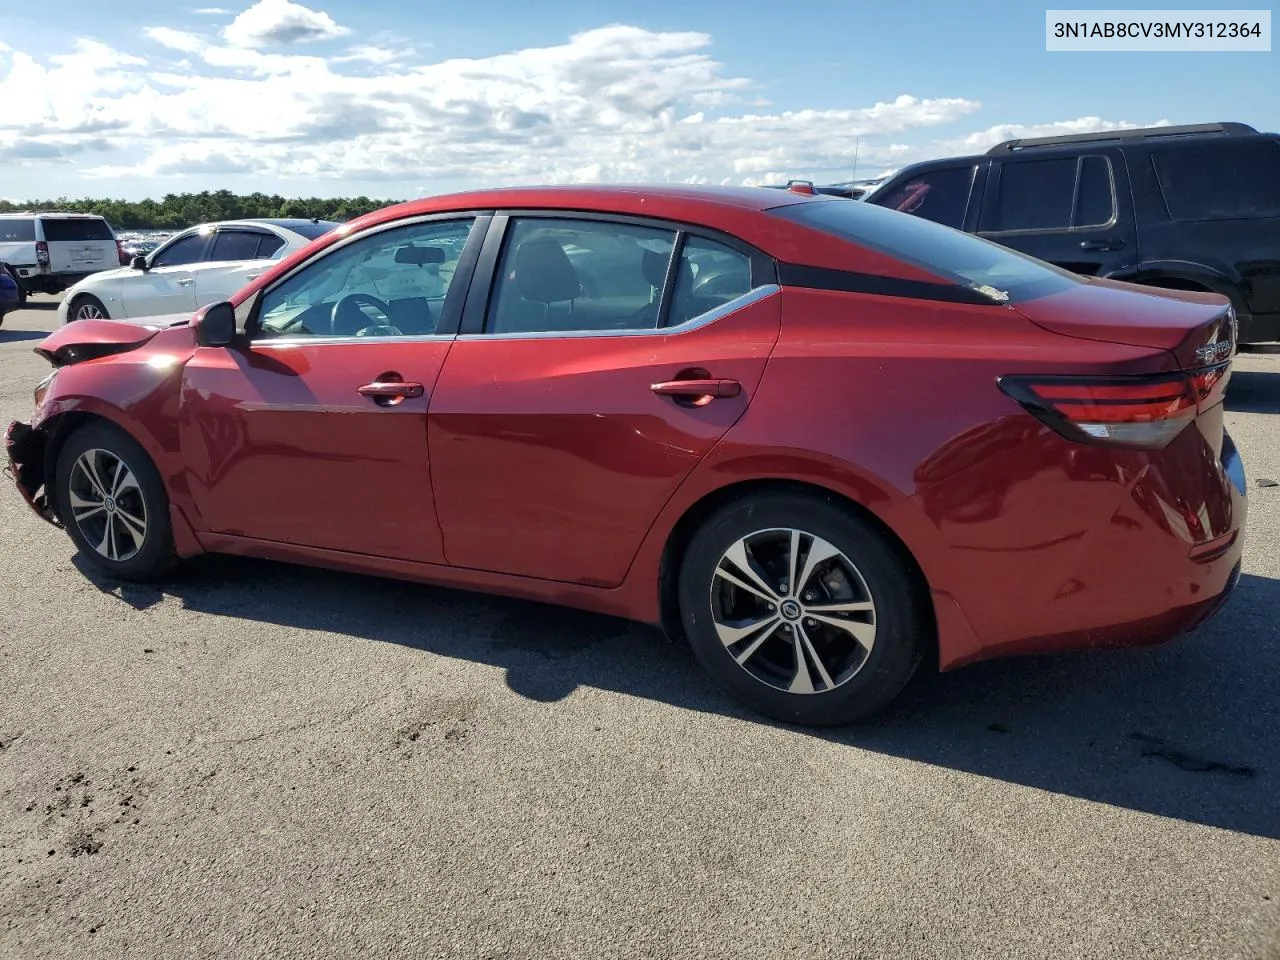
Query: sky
(396, 99)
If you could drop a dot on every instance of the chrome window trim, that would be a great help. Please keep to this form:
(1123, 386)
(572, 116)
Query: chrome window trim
(752, 296)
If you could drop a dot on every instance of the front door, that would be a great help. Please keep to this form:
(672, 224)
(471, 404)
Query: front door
(315, 432)
(168, 283)
(1073, 211)
(561, 427)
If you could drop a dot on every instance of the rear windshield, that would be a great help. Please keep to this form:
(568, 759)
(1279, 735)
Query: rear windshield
(17, 230)
(76, 228)
(1004, 275)
(312, 230)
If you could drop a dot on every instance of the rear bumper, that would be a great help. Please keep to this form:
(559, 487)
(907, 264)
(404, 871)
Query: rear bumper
(24, 450)
(1137, 563)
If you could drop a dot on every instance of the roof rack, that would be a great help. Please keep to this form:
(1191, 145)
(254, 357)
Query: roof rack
(1135, 133)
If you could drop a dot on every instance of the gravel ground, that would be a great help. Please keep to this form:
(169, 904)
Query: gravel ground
(261, 760)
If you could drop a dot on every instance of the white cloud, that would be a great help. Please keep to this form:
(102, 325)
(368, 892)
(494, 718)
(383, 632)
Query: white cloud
(212, 12)
(609, 104)
(278, 22)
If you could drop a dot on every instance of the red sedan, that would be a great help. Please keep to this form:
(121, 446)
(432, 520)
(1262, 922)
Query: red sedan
(824, 441)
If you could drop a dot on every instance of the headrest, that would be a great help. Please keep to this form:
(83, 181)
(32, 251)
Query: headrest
(544, 273)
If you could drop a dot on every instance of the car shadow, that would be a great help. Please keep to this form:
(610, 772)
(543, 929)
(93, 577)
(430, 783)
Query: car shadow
(16, 336)
(1187, 730)
(1254, 391)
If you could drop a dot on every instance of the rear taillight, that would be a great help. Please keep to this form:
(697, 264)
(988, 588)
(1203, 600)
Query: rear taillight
(42, 253)
(1144, 411)
(120, 254)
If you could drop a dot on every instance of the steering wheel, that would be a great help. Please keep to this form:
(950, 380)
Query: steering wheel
(353, 301)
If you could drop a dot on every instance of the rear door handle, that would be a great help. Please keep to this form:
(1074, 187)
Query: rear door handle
(253, 276)
(716, 389)
(390, 392)
(1101, 244)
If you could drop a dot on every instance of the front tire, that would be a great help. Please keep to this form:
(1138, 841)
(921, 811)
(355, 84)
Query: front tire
(87, 307)
(802, 610)
(113, 503)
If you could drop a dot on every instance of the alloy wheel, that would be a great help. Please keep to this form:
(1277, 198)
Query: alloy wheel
(107, 504)
(89, 311)
(793, 610)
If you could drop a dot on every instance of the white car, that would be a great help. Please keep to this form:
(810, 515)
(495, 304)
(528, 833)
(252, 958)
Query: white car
(194, 268)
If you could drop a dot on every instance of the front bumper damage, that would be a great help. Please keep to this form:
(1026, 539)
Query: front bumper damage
(24, 447)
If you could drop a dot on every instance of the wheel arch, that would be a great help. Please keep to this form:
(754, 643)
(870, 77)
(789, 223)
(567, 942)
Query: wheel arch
(697, 513)
(58, 428)
(74, 297)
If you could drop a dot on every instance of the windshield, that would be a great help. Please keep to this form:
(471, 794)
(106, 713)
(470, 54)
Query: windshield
(1002, 274)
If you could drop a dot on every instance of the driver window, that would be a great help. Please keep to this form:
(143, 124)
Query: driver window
(180, 252)
(392, 283)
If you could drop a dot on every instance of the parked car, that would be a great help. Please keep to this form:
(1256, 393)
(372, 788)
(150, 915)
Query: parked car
(202, 265)
(10, 294)
(824, 441)
(49, 252)
(1185, 208)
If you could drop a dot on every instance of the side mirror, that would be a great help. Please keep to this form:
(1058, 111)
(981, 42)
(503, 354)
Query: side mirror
(215, 325)
(138, 263)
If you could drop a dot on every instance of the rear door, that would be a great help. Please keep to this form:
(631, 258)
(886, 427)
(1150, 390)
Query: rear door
(236, 256)
(79, 244)
(599, 361)
(167, 285)
(1072, 211)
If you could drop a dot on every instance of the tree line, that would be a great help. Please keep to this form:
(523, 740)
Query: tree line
(177, 211)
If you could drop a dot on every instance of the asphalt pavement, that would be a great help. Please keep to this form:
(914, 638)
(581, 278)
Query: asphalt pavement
(259, 760)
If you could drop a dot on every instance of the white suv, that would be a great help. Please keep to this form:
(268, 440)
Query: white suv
(48, 252)
(202, 265)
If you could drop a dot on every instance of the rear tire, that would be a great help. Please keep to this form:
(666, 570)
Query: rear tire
(855, 624)
(113, 503)
(87, 307)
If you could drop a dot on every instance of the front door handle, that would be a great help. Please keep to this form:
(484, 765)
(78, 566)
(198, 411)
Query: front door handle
(715, 389)
(390, 392)
(186, 282)
(253, 276)
(1101, 244)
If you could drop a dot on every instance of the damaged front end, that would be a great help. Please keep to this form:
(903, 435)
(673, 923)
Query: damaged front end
(25, 446)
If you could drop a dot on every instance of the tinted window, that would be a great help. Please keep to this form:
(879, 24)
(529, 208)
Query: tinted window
(1033, 195)
(76, 228)
(311, 230)
(951, 255)
(1095, 202)
(17, 230)
(391, 283)
(269, 246)
(1221, 181)
(579, 275)
(711, 274)
(180, 252)
(938, 195)
(236, 245)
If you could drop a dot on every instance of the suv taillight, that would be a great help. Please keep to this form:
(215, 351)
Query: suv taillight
(42, 253)
(120, 254)
(1125, 411)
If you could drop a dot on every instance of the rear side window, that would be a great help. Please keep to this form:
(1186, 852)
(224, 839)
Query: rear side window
(1221, 181)
(938, 195)
(996, 271)
(76, 228)
(1054, 194)
(237, 245)
(17, 230)
(269, 246)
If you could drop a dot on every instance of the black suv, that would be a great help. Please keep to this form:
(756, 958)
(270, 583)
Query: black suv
(1190, 208)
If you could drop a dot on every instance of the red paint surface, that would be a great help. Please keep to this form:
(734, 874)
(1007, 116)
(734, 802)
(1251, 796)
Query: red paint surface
(548, 468)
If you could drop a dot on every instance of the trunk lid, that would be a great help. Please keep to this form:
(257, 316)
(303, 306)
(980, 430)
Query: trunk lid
(1197, 328)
